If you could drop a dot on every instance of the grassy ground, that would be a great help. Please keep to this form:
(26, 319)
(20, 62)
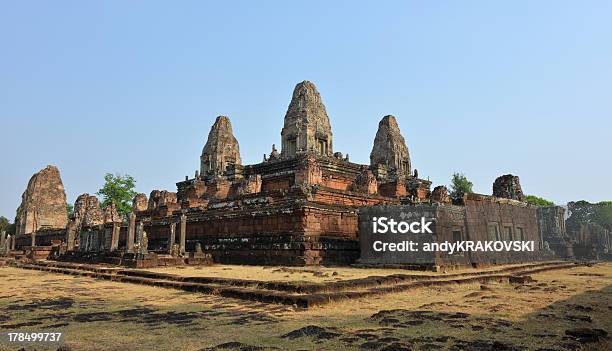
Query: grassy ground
(294, 274)
(103, 315)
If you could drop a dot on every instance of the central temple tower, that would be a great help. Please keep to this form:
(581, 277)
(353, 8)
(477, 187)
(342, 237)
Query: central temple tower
(221, 150)
(390, 148)
(307, 127)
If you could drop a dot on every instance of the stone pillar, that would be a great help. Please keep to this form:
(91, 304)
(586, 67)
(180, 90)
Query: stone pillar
(90, 240)
(183, 234)
(139, 232)
(115, 237)
(8, 243)
(70, 235)
(143, 245)
(13, 240)
(83, 242)
(34, 238)
(172, 238)
(129, 246)
(2, 239)
(106, 241)
(101, 238)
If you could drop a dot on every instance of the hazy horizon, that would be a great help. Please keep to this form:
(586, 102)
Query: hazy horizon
(480, 88)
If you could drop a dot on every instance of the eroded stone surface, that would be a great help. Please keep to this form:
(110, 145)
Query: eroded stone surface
(221, 150)
(140, 203)
(86, 213)
(111, 215)
(390, 148)
(93, 215)
(250, 185)
(307, 126)
(440, 194)
(159, 198)
(366, 182)
(509, 187)
(43, 203)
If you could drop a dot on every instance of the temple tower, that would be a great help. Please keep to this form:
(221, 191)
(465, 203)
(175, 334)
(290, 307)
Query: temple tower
(221, 150)
(43, 203)
(390, 148)
(307, 126)
(508, 186)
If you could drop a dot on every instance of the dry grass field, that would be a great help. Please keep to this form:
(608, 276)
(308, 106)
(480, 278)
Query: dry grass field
(295, 274)
(104, 315)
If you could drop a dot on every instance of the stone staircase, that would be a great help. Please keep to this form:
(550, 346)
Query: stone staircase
(302, 295)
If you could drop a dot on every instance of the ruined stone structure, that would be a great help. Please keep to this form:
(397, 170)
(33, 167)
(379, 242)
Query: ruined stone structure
(43, 203)
(592, 241)
(390, 153)
(440, 194)
(304, 205)
(161, 203)
(481, 218)
(111, 215)
(296, 207)
(88, 214)
(588, 231)
(551, 222)
(307, 127)
(508, 187)
(221, 151)
(140, 203)
(160, 198)
(93, 214)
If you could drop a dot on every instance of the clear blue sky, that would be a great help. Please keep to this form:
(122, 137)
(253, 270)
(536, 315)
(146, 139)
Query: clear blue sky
(483, 87)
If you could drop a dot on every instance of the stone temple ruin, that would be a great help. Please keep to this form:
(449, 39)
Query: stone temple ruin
(43, 203)
(305, 205)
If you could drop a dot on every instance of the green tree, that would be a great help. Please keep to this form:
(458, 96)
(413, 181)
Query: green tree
(603, 214)
(70, 209)
(579, 212)
(538, 201)
(459, 185)
(4, 223)
(583, 212)
(119, 190)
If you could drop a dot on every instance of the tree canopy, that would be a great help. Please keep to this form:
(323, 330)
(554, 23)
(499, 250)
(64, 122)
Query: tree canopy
(538, 201)
(603, 214)
(119, 190)
(586, 212)
(7, 226)
(460, 185)
(4, 223)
